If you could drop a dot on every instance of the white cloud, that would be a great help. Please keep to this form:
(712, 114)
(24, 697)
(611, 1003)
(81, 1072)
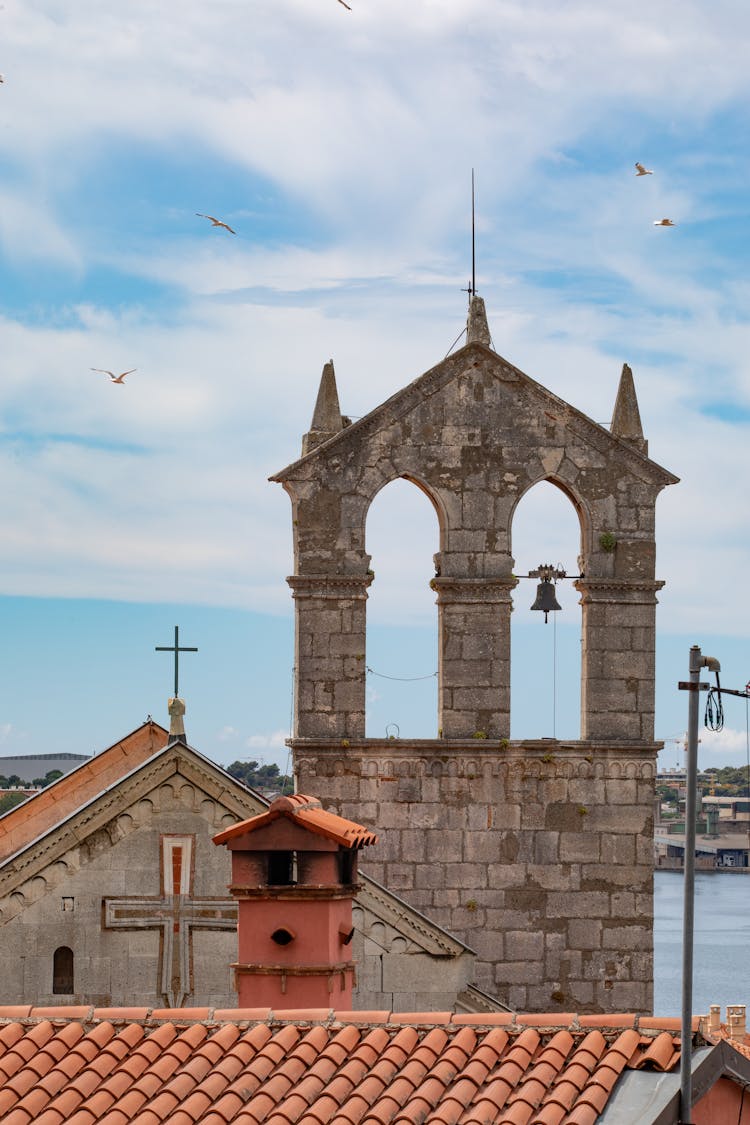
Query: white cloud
(228, 734)
(273, 741)
(364, 126)
(723, 741)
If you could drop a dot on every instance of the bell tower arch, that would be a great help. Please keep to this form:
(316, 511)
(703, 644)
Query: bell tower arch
(475, 433)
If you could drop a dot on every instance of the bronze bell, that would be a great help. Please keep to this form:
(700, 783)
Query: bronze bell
(545, 598)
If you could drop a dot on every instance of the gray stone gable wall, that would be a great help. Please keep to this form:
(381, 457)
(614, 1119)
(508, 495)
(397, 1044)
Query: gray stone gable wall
(53, 894)
(538, 858)
(120, 858)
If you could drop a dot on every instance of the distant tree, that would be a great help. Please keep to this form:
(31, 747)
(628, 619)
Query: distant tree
(261, 777)
(9, 801)
(49, 777)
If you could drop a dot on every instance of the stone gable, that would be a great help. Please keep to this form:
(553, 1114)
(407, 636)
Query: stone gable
(131, 884)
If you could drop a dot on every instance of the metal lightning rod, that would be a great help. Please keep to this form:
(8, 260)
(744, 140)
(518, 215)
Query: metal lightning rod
(473, 242)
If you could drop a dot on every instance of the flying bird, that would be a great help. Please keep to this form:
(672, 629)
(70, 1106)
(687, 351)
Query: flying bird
(216, 222)
(641, 171)
(345, 5)
(2, 77)
(664, 223)
(115, 378)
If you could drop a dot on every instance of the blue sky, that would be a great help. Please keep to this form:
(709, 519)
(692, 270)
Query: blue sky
(339, 146)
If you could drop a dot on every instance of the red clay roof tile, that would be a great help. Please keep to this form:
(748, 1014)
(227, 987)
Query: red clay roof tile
(582, 1115)
(308, 813)
(242, 1015)
(363, 1017)
(14, 1011)
(549, 1114)
(661, 1054)
(121, 1014)
(517, 1114)
(168, 1068)
(84, 1116)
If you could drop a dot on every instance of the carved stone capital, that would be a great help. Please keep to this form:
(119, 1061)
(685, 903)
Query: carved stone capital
(456, 591)
(334, 587)
(618, 590)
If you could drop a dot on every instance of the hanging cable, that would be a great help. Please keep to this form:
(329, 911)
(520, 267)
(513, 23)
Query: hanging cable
(401, 679)
(554, 677)
(450, 349)
(714, 717)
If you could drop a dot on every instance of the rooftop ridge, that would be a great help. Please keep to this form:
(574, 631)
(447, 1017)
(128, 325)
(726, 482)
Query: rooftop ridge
(612, 1026)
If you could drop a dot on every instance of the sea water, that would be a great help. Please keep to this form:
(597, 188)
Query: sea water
(721, 973)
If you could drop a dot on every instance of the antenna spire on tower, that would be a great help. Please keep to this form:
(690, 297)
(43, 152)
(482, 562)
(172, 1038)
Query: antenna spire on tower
(473, 290)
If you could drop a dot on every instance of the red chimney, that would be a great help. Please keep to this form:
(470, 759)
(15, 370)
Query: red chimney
(294, 874)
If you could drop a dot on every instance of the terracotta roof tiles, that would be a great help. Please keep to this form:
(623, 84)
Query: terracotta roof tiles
(86, 1066)
(50, 806)
(308, 813)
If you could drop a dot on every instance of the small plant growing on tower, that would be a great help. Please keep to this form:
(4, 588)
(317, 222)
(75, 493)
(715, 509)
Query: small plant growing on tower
(607, 541)
(471, 905)
(480, 734)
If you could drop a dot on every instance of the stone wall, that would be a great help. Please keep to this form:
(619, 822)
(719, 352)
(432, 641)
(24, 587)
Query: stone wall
(108, 859)
(63, 906)
(537, 854)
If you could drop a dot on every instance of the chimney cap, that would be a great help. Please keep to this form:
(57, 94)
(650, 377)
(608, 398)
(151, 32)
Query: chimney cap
(308, 813)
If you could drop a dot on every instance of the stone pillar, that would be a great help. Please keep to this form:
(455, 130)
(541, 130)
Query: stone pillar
(617, 658)
(474, 656)
(330, 667)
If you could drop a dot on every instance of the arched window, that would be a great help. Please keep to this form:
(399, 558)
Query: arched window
(545, 659)
(62, 971)
(402, 536)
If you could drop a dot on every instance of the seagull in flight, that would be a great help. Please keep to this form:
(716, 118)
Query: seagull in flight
(216, 222)
(664, 223)
(115, 378)
(345, 5)
(641, 171)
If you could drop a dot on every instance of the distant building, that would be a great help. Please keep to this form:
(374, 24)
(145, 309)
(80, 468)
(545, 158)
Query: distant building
(30, 766)
(716, 852)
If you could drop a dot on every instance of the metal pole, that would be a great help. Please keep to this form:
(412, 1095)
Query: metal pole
(688, 918)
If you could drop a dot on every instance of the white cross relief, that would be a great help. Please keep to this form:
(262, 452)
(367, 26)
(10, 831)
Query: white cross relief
(176, 913)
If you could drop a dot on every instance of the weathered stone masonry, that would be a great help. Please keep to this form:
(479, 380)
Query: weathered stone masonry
(535, 853)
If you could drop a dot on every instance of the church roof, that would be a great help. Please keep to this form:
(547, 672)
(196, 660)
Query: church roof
(134, 1066)
(28, 821)
(308, 813)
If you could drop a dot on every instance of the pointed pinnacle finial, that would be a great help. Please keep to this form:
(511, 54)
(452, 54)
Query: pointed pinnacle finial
(477, 329)
(327, 419)
(626, 417)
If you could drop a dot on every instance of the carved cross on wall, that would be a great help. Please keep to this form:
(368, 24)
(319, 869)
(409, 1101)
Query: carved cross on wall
(176, 913)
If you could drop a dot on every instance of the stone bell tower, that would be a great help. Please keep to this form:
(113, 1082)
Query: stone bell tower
(536, 853)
